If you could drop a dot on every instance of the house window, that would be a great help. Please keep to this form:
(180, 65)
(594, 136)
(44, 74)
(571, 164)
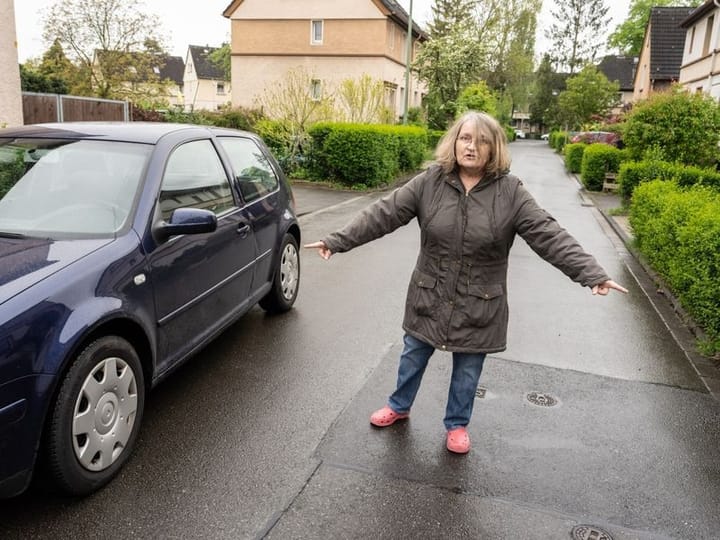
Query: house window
(391, 97)
(316, 32)
(392, 37)
(692, 39)
(708, 33)
(221, 88)
(315, 89)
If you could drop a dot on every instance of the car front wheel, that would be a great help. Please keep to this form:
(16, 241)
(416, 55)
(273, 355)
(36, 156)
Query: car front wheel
(286, 278)
(96, 417)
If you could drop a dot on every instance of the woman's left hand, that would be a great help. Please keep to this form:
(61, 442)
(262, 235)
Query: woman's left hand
(603, 288)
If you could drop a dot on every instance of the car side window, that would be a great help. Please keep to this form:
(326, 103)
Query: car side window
(254, 174)
(194, 178)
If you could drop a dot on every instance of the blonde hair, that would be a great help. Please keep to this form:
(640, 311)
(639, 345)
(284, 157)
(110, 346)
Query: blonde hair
(484, 126)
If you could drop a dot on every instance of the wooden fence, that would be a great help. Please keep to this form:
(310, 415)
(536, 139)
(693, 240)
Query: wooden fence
(39, 108)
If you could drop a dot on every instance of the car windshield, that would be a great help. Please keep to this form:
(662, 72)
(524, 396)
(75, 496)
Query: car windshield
(68, 188)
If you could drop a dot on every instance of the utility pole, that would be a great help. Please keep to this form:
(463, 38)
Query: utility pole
(408, 58)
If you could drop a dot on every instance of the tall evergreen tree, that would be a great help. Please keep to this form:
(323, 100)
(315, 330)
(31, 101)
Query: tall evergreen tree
(448, 14)
(576, 32)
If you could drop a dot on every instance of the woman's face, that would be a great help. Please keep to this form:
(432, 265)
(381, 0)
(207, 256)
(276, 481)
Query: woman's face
(472, 153)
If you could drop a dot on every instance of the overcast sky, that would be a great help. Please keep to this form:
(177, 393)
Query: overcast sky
(207, 26)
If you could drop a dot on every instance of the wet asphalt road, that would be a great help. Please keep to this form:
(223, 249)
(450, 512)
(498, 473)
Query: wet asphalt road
(265, 433)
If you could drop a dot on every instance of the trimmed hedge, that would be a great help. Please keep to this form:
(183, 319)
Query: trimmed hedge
(633, 173)
(678, 231)
(364, 155)
(558, 139)
(598, 159)
(573, 156)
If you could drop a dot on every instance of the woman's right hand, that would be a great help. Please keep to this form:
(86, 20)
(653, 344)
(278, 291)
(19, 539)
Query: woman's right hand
(323, 250)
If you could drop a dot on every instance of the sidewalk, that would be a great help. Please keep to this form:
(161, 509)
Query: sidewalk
(678, 322)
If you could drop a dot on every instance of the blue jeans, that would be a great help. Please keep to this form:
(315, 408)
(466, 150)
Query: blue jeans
(463, 383)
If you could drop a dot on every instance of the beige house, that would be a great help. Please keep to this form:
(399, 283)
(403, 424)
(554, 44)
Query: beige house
(662, 51)
(204, 84)
(11, 112)
(700, 69)
(332, 40)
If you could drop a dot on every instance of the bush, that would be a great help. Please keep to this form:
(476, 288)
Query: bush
(598, 159)
(573, 156)
(412, 144)
(633, 173)
(558, 139)
(682, 125)
(433, 137)
(678, 231)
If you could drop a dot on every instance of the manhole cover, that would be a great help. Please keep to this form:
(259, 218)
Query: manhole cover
(480, 392)
(589, 532)
(542, 400)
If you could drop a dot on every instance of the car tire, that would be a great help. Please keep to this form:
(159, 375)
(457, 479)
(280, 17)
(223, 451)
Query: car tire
(286, 278)
(96, 417)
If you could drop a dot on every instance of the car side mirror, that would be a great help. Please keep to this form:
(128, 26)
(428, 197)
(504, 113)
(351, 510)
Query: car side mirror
(186, 221)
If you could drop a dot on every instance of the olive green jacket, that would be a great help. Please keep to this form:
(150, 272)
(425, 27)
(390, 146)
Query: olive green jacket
(457, 298)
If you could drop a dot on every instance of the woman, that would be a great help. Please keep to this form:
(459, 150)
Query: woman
(469, 209)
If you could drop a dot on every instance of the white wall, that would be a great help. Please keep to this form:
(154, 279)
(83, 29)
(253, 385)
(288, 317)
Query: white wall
(10, 97)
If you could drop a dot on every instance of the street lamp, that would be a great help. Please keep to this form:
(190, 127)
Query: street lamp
(408, 56)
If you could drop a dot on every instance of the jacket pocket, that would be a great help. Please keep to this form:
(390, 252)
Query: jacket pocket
(484, 304)
(424, 296)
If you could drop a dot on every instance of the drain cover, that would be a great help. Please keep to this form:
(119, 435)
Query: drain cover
(480, 392)
(589, 532)
(543, 400)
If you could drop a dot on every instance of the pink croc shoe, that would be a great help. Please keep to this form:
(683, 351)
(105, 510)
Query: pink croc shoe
(458, 440)
(386, 416)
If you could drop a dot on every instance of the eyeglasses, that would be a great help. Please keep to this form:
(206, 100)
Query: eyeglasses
(469, 139)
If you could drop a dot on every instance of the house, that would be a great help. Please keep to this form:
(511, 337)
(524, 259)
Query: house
(620, 69)
(333, 40)
(204, 82)
(172, 71)
(699, 71)
(140, 77)
(662, 51)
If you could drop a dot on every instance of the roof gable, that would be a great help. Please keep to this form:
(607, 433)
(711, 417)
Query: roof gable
(204, 68)
(620, 69)
(667, 41)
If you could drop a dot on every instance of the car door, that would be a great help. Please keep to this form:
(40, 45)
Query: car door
(259, 186)
(200, 281)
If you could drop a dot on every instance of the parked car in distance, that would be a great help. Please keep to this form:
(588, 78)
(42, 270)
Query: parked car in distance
(519, 134)
(545, 136)
(125, 248)
(590, 137)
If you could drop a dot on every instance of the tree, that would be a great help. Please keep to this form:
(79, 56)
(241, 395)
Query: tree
(477, 97)
(447, 15)
(544, 109)
(362, 100)
(117, 29)
(221, 58)
(629, 35)
(296, 101)
(32, 80)
(680, 126)
(576, 31)
(589, 94)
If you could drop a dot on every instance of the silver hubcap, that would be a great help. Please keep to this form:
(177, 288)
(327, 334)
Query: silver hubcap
(104, 414)
(289, 271)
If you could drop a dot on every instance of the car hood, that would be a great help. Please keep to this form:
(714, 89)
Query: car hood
(26, 261)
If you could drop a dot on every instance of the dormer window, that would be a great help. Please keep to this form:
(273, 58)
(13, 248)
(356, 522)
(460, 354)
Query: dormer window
(316, 32)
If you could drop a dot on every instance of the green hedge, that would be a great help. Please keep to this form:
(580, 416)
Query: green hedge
(558, 139)
(678, 231)
(573, 156)
(598, 159)
(632, 173)
(433, 137)
(364, 155)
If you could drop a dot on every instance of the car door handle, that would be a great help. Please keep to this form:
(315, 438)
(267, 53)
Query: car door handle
(243, 230)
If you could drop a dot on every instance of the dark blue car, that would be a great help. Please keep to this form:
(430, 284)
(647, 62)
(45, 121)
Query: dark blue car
(124, 249)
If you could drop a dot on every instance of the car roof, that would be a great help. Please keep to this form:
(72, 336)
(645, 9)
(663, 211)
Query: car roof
(141, 132)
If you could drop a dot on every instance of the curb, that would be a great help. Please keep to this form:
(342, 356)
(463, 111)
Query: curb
(679, 324)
